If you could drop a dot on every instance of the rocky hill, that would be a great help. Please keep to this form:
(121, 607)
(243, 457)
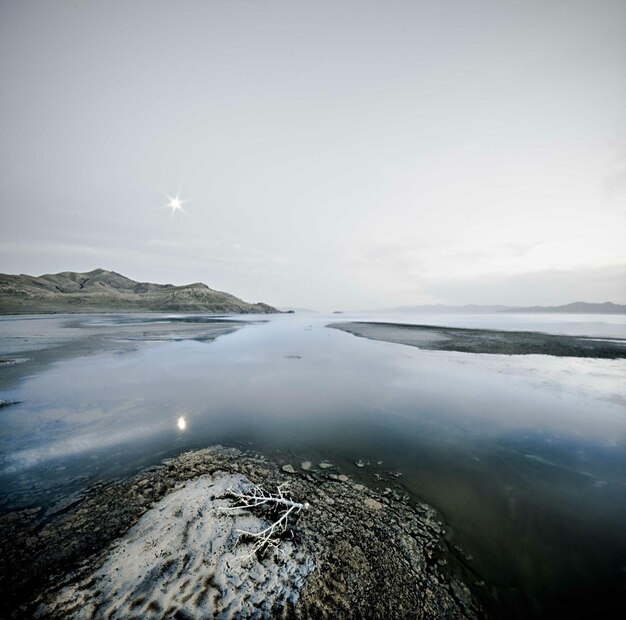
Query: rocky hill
(106, 291)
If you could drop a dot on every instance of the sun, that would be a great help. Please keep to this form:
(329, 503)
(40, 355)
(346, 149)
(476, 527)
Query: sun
(175, 203)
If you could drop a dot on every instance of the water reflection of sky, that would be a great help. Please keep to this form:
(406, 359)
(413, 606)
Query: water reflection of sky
(522, 446)
(281, 379)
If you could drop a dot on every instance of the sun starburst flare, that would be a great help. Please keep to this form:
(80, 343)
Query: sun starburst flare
(175, 203)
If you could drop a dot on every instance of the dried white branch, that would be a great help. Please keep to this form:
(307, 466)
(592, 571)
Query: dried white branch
(268, 537)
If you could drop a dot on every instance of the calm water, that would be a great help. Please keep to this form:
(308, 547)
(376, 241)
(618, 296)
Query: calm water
(524, 456)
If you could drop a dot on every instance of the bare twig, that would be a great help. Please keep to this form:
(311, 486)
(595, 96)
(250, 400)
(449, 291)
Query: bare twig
(269, 537)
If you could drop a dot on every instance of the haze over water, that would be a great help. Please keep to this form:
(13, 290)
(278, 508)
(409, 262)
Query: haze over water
(524, 456)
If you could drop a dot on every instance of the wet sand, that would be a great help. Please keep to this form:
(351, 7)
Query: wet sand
(487, 340)
(158, 545)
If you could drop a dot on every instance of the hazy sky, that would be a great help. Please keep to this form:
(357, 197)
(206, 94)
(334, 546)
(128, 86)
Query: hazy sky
(332, 154)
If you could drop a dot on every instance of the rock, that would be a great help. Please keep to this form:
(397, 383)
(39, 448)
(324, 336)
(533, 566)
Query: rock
(7, 403)
(360, 463)
(288, 469)
(306, 465)
(325, 465)
(358, 487)
(372, 504)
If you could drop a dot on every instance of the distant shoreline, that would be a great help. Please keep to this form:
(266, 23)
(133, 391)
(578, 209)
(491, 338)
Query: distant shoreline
(113, 311)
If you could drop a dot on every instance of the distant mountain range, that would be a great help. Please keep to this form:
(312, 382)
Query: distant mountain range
(106, 291)
(578, 307)
(443, 309)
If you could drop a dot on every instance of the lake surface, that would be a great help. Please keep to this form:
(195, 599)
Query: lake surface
(524, 456)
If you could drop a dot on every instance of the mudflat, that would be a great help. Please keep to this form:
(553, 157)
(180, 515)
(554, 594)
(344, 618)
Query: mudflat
(486, 340)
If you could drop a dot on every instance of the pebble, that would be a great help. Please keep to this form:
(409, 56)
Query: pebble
(360, 463)
(288, 469)
(372, 503)
(306, 465)
(325, 465)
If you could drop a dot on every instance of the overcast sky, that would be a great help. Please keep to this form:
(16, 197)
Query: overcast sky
(331, 154)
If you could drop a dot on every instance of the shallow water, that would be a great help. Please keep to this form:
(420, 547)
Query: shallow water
(524, 456)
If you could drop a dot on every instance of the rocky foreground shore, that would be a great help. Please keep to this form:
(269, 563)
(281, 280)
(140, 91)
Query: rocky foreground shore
(163, 543)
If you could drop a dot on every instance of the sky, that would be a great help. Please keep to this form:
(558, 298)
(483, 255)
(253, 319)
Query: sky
(330, 154)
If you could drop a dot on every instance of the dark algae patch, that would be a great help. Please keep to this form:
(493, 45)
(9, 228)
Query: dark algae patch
(486, 340)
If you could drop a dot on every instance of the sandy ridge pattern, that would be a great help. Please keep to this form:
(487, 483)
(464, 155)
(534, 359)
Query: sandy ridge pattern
(181, 560)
